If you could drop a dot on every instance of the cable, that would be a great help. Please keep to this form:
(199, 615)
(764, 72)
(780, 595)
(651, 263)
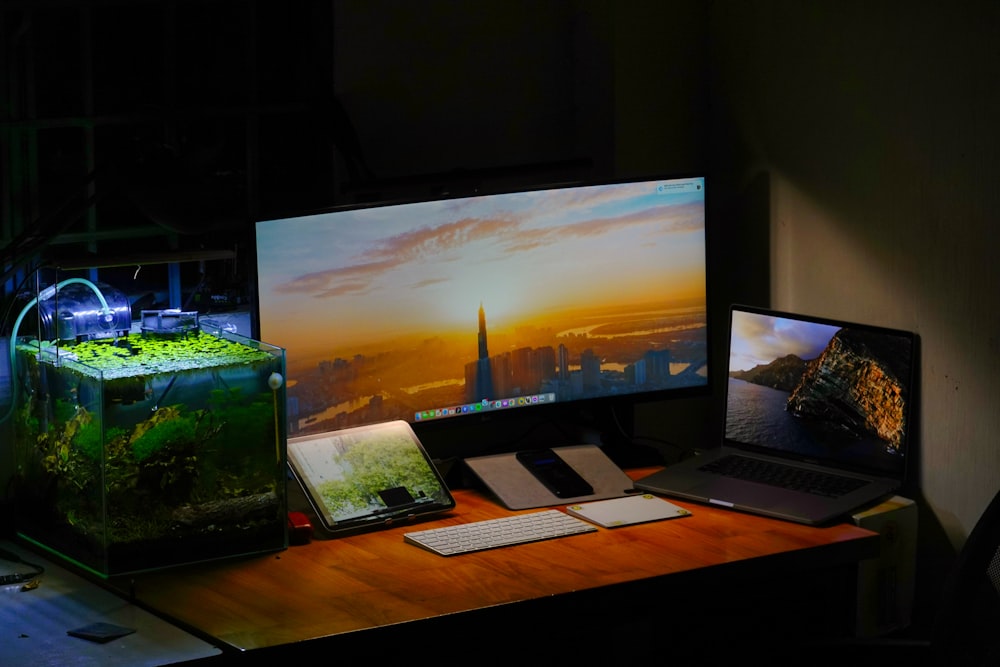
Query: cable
(21, 577)
(636, 440)
(44, 295)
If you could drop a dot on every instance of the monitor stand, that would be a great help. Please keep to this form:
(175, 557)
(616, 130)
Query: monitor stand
(516, 488)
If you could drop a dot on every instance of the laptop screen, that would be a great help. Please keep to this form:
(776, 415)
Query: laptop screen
(832, 392)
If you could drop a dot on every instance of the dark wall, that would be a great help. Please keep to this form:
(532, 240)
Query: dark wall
(875, 124)
(146, 127)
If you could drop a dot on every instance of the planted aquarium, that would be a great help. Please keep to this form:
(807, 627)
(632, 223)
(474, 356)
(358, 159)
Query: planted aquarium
(141, 449)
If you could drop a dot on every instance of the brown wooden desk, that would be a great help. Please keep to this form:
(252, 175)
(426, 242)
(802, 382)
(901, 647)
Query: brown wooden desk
(662, 581)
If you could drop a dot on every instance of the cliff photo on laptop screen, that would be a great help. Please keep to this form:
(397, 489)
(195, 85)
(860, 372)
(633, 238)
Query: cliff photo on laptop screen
(821, 390)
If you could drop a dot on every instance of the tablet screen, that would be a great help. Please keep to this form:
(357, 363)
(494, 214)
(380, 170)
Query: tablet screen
(367, 476)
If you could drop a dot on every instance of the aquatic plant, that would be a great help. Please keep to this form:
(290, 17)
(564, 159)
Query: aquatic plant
(148, 355)
(165, 427)
(62, 457)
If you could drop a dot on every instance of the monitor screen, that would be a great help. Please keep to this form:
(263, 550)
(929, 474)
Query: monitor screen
(459, 309)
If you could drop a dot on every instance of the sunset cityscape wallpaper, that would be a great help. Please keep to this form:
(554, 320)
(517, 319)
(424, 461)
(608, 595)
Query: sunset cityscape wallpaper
(427, 310)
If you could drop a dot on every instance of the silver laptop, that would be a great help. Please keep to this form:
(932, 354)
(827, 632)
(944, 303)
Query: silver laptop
(817, 421)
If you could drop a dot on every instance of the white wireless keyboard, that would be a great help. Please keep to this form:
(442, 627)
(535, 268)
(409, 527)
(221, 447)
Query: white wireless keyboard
(491, 533)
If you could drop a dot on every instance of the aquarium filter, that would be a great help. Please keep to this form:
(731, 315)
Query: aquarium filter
(74, 312)
(169, 321)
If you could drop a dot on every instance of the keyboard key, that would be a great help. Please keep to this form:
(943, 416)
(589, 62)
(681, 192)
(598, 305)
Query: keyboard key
(784, 476)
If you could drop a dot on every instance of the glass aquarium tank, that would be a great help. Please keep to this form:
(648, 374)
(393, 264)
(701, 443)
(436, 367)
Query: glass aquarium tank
(137, 449)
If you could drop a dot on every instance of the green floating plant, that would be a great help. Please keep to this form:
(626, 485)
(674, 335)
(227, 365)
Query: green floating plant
(149, 355)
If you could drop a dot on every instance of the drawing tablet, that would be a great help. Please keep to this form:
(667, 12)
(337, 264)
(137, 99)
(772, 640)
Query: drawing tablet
(367, 477)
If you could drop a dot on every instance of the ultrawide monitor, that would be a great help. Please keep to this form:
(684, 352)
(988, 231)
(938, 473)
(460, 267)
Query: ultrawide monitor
(474, 308)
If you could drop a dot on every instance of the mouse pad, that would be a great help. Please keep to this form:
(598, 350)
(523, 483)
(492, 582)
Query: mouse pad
(517, 489)
(101, 633)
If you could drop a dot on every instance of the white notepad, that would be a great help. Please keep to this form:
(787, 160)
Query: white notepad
(629, 510)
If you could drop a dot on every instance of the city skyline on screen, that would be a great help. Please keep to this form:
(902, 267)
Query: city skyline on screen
(348, 282)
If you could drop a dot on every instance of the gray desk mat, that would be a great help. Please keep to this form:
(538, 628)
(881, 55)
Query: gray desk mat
(517, 489)
(35, 622)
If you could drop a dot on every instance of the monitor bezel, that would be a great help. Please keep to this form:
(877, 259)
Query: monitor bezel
(607, 421)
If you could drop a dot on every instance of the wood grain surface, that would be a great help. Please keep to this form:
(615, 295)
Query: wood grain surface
(334, 586)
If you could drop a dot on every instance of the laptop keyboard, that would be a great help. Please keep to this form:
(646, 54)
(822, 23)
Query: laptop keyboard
(784, 476)
(502, 532)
